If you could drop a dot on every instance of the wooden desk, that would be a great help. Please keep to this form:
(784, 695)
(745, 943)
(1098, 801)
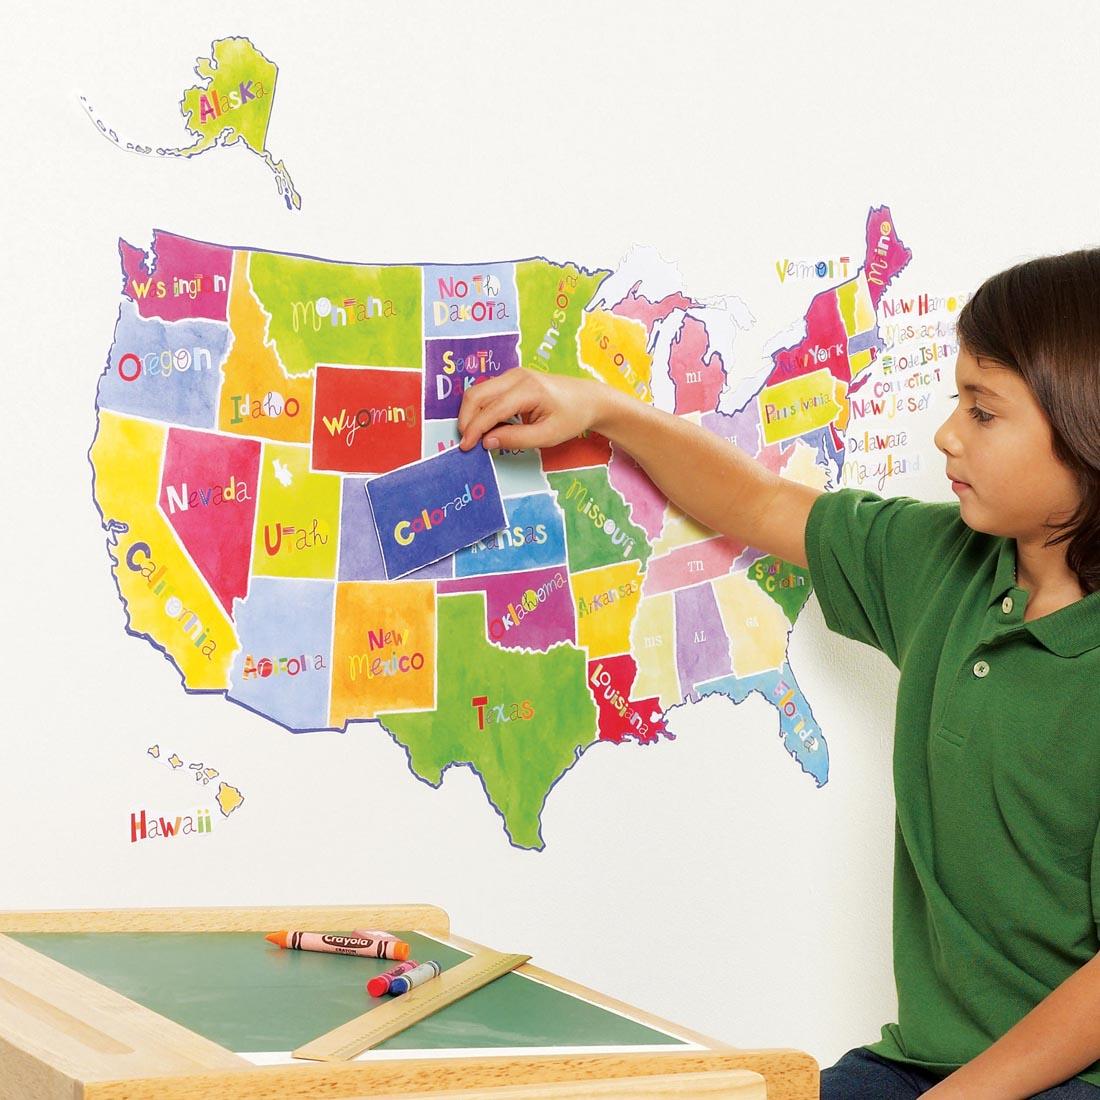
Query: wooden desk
(64, 1034)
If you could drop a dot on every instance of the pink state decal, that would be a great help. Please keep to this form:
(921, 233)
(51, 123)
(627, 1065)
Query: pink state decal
(186, 278)
(647, 502)
(886, 256)
(824, 345)
(697, 377)
(208, 494)
(640, 308)
(691, 565)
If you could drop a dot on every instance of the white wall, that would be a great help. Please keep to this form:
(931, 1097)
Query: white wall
(728, 137)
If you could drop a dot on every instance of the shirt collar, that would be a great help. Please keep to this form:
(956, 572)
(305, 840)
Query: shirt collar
(1068, 632)
(1004, 574)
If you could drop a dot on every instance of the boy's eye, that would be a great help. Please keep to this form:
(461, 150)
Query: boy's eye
(980, 415)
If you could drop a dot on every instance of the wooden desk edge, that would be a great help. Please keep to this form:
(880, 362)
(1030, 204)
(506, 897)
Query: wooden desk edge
(256, 918)
(791, 1074)
(729, 1084)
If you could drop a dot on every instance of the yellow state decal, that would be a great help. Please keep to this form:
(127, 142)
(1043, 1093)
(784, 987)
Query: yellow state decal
(606, 602)
(859, 361)
(855, 305)
(802, 466)
(653, 643)
(166, 598)
(754, 623)
(799, 405)
(298, 518)
(614, 348)
(384, 647)
(680, 529)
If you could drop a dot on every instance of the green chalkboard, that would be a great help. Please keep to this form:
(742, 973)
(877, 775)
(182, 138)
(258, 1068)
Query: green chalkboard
(248, 995)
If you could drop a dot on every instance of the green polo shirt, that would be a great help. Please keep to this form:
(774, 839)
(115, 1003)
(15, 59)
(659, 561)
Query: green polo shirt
(996, 767)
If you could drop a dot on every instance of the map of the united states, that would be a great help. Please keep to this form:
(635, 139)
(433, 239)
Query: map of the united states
(248, 396)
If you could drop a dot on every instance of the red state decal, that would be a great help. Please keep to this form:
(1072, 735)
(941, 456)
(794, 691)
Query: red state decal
(886, 255)
(698, 378)
(366, 420)
(590, 449)
(208, 493)
(620, 717)
(185, 279)
(825, 344)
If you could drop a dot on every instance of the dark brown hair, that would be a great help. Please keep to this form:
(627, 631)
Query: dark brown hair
(1042, 319)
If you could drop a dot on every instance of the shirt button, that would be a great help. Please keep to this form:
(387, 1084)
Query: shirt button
(981, 669)
(1006, 605)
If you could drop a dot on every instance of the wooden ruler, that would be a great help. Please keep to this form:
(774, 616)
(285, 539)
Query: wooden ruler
(398, 1013)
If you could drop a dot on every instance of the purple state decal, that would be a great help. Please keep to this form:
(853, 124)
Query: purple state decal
(530, 610)
(430, 508)
(360, 554)
(451, 366)
(702, 647)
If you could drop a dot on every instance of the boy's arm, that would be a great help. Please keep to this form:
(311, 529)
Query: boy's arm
(710, 479)
(705, 476)
(1058, 1038)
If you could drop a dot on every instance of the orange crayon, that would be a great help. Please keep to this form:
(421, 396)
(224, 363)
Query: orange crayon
(365, 947)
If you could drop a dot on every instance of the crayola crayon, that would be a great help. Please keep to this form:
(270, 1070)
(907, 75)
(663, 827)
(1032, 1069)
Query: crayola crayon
(423, 973)
(381, 983)
(341, 945)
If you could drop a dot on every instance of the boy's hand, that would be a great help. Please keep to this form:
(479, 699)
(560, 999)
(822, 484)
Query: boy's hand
(553, 409)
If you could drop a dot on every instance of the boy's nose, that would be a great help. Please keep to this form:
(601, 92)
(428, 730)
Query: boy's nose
(945, 438)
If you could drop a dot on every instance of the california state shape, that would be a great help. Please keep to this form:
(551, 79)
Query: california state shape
(257, 396)
(606, 600)
(384, 649)
(755, 625)
(653, 643)
(166, 599)
(298, 519)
